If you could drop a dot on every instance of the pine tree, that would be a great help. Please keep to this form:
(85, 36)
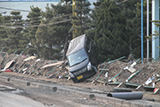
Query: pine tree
(16, 33)
(4, 21)
(110, 37)
(80, 17)
(68, 10)
(128, 11)
(54, 34)
(11, 32)
(34, 21)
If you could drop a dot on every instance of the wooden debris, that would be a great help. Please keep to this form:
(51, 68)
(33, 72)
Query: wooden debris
(54, 64)
(32, 57)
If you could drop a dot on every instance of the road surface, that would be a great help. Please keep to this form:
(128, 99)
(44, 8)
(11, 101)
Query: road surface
(8, 99)
(16, 92)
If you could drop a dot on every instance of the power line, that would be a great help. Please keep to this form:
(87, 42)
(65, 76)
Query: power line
(36, 25)
(14, 9)
(37, 20)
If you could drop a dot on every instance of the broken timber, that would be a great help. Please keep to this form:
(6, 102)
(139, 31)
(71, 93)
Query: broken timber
(49, 72)
(106, 66)
(20, 64)
(8, 60)
(89, 80)
(45, 68)
(23, 69)
(32, 72)
(132, 75)
(54, 75)
(120, 73)
(16, 59)
(32, 66)
(149, 80)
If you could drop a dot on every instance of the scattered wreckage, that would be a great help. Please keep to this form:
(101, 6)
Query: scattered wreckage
(119, 72)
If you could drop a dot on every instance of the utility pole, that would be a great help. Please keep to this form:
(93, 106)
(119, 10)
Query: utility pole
(75, 15)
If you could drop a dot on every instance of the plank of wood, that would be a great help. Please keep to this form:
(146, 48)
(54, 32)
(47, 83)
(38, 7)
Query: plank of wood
(131, 69)
(29, 58)
(119, 85)
(53, 64)
(103, 69)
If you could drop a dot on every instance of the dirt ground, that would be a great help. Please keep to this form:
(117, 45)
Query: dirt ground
(109, 74)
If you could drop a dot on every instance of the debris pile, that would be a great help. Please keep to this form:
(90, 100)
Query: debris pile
(116, 72)
(30, 65)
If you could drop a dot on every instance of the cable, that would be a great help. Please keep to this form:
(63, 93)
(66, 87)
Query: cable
(15, 9)
(35, 25)
(39, 20)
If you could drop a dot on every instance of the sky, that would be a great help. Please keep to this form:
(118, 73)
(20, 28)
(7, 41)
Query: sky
(6, 6)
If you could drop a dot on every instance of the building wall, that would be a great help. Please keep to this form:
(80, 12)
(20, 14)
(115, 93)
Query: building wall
(23, 7)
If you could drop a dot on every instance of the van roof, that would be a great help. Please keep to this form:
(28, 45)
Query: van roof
(76, 44)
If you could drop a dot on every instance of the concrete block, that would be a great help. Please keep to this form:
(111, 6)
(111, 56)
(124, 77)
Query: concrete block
(8, 79)
(54, 89)
(92, 96)
(28, 83)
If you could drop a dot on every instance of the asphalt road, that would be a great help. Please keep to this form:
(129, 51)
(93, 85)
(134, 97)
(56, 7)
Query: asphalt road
(17, 93)
(28, 96)
(8, 99)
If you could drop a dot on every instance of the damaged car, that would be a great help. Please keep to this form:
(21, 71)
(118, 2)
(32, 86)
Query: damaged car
(82, 58)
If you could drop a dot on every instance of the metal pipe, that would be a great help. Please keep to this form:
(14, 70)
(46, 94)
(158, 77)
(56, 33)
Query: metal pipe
(1, 50)
(155, 39)
(147, 29)
(126, 95)
(142, 30)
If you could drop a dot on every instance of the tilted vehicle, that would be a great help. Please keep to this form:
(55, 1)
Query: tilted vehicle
(82, 58)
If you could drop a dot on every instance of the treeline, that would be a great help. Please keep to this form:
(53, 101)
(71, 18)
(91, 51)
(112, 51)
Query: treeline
(114, 25)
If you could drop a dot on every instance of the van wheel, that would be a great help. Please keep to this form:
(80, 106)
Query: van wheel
(74, 80)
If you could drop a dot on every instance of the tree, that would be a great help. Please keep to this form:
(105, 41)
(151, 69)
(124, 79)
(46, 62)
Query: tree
(128, 11)
(3, 31)
(11, 35)
(54, 34)
(34, 21)
(68, 10)
(15, 34)
(80, 17)
(110, 37)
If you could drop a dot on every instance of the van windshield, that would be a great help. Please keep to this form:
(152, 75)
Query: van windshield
(77, 57)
